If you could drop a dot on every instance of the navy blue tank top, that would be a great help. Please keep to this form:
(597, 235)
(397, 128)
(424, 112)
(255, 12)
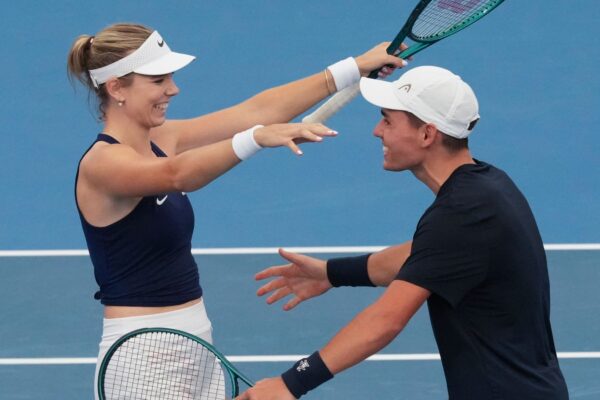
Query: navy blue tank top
(145, 258)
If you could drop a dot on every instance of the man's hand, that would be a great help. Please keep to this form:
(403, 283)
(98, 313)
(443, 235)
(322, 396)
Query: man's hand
(305, 277)
(267, 389)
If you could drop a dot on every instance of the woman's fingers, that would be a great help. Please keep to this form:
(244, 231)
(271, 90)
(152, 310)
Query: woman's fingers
(295, 149)
(290, 135)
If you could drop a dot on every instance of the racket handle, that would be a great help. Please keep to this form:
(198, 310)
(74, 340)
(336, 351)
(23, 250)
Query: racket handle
(333, 105)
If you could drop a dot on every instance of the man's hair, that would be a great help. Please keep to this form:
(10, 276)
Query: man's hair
(452, 144)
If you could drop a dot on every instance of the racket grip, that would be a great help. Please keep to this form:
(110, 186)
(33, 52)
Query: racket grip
(333, 105)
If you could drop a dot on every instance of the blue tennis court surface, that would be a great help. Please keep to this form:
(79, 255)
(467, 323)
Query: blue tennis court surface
(56, 317)
(537, 84)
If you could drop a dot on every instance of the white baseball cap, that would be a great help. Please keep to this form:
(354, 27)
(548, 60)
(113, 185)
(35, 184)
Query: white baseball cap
(153, 57)
(433, 94)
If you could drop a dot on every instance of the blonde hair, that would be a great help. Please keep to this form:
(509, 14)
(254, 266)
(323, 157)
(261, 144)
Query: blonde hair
(107, 46)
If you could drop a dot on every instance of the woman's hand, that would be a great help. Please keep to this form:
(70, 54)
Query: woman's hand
(291, 135)
(378, 57)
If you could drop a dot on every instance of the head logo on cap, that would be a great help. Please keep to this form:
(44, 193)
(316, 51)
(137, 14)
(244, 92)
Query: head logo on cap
(406, 87)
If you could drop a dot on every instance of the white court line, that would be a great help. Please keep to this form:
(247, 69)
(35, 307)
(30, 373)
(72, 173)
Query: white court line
(281, 358)
(273, 250)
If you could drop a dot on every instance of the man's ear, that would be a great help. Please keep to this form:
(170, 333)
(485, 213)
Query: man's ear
(429, 133)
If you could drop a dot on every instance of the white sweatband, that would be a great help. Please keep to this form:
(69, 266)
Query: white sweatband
(345, 73)
(244, 145)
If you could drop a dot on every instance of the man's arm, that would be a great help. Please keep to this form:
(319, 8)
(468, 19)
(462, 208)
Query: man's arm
(367, 333)
(374, 327)
(306, 277)
(384, 265)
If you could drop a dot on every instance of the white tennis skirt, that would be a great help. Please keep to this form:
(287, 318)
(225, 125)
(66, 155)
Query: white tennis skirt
(191, 319)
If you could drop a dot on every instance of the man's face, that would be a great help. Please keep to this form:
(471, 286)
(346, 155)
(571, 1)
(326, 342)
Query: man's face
(400, 139)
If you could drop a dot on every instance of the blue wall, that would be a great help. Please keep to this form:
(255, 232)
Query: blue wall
(535, 77)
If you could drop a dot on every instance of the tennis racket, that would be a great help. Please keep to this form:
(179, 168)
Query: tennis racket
(161, 363)
(430, 22)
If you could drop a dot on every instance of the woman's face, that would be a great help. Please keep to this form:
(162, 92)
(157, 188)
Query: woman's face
(147, 98)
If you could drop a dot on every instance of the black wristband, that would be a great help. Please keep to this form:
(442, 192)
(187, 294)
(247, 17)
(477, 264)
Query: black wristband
(306, 374)
(349, 271)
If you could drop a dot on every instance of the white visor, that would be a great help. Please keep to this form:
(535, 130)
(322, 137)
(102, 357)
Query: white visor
(153, 57)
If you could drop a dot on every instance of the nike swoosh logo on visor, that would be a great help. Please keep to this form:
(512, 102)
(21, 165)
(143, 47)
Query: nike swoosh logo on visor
(161, 43)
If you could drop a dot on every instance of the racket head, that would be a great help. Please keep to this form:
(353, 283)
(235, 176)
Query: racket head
(429, 22)
(434, 20)
(442, 18)
(163, 363)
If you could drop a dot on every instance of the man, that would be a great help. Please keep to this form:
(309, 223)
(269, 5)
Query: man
(476, 257)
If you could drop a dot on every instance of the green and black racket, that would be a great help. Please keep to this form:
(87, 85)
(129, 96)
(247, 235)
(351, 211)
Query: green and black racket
(165, 364)
(430, 22)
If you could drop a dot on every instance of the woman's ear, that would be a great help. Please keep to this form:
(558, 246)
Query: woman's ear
(114, 89)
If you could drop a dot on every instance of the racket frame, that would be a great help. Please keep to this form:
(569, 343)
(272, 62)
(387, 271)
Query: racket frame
(232, 371)
(343, 97)
(423, 43)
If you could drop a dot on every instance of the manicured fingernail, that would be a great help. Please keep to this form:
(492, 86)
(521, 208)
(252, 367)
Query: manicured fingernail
(319, 138)
(404, 63)
(334, 132)
(299, 152)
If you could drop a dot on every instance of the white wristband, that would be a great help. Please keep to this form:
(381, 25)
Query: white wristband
(244, 145)
(345, 73)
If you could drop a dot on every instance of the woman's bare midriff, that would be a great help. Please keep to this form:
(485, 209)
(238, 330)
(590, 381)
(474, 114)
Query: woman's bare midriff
(126, 311)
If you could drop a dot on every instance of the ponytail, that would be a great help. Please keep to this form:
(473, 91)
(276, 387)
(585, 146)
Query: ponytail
(108, 46)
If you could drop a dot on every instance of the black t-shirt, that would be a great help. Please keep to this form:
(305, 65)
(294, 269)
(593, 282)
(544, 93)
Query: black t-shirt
(478, 250)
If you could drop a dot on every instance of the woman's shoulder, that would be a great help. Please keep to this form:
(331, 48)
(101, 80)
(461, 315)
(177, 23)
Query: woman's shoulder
(165, 137)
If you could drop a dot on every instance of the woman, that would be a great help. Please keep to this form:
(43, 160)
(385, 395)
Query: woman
(131, 183)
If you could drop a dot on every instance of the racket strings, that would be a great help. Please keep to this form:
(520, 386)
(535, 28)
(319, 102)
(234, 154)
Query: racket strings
(162, 365)
(442, 16)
